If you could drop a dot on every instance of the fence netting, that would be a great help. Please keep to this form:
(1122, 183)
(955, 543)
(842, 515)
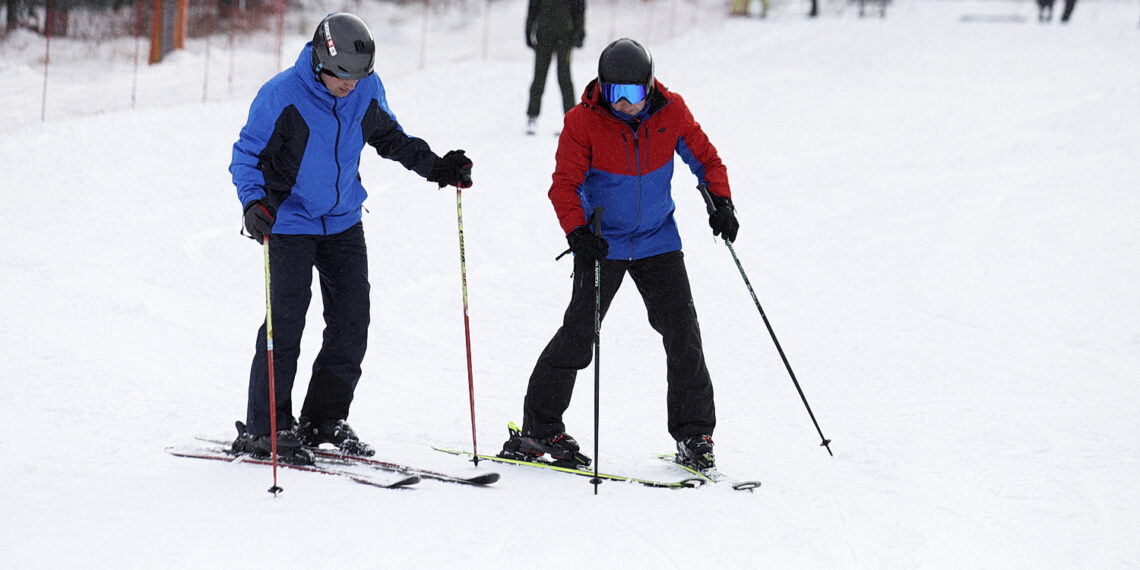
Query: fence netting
(53, 51)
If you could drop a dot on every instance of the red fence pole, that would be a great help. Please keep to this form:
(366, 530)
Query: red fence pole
(423, 35)
(211, 12)
(486, 28)
(280, 33)
(138, 50)
(47, 59)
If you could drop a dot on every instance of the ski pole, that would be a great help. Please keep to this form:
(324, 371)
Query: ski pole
(275, 489)
(596, 226)
(711, 209)
(466, 323)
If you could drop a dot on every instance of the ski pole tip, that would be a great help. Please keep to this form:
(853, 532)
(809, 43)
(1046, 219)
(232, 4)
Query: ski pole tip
(595, 481)
(827, 444)
(275, 490)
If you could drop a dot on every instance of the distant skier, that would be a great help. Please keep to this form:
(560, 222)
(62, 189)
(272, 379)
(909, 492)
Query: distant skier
(1045, 10)
(553, 29)
(1069, 5)
(295, 168)
(616, 152)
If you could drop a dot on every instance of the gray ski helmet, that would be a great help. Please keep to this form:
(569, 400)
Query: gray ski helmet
(343, 46)
(627, 62)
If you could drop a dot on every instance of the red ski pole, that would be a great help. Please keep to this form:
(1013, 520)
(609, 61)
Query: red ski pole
(466, 323)
(275, 489)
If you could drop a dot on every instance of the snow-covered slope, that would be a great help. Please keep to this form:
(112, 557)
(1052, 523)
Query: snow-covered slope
(939, 217)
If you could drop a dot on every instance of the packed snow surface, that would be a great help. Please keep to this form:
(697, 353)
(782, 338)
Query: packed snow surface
(938, 215)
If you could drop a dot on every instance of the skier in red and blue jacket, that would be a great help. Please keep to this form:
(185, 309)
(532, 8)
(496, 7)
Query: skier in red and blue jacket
(616, 153)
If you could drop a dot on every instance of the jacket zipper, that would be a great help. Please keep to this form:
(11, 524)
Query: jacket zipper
(637, 159)
(336, 160)
(637, 162)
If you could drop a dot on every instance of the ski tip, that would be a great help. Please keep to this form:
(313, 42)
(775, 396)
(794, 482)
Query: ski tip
(484, 479)
(406, 481)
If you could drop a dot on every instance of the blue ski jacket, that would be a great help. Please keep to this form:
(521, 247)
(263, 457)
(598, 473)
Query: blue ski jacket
(300, 149)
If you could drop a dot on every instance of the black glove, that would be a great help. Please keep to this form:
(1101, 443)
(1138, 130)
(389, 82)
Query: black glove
(452, 169)
(259, 218)
(583, 242)
(723, 220)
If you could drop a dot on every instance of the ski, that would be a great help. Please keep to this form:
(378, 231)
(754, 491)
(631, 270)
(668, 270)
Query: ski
(224, 454)
(478, 480)
(710, 475)
(328, 456)
(544, 464)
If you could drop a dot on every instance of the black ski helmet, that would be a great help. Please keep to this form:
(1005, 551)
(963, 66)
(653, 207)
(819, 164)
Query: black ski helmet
(343, 46)
(628, 62)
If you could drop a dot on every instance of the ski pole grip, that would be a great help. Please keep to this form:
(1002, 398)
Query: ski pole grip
(704, 188)
(596, 221)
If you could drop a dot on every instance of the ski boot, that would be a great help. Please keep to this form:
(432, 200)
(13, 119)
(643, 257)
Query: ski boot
(561, 447)
(531, 125)
(696, 452)
(336, 432)
(289, 449)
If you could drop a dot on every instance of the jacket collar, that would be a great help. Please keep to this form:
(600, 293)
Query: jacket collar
(303, 68)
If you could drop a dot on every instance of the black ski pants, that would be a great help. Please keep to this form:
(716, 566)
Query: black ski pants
(341, 261)
(1069, 5)
(543, 52)
(664, 287)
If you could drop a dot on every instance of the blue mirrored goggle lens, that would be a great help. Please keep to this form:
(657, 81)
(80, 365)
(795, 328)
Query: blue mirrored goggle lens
(615, 92)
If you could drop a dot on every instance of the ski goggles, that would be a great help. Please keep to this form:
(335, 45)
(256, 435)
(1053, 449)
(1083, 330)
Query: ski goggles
(614, 92)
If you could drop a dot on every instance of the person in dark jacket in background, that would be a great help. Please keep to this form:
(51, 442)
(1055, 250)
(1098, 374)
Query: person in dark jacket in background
(1065, 15)
(295, 168)
(553, 29)
(1045, 10)
(616, 152)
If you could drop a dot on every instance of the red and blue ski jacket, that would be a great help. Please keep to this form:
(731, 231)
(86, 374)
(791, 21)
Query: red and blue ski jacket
(300, 149)
(627, 168)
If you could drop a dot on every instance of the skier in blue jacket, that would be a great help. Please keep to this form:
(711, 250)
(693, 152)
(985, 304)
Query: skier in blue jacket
(295, 166)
